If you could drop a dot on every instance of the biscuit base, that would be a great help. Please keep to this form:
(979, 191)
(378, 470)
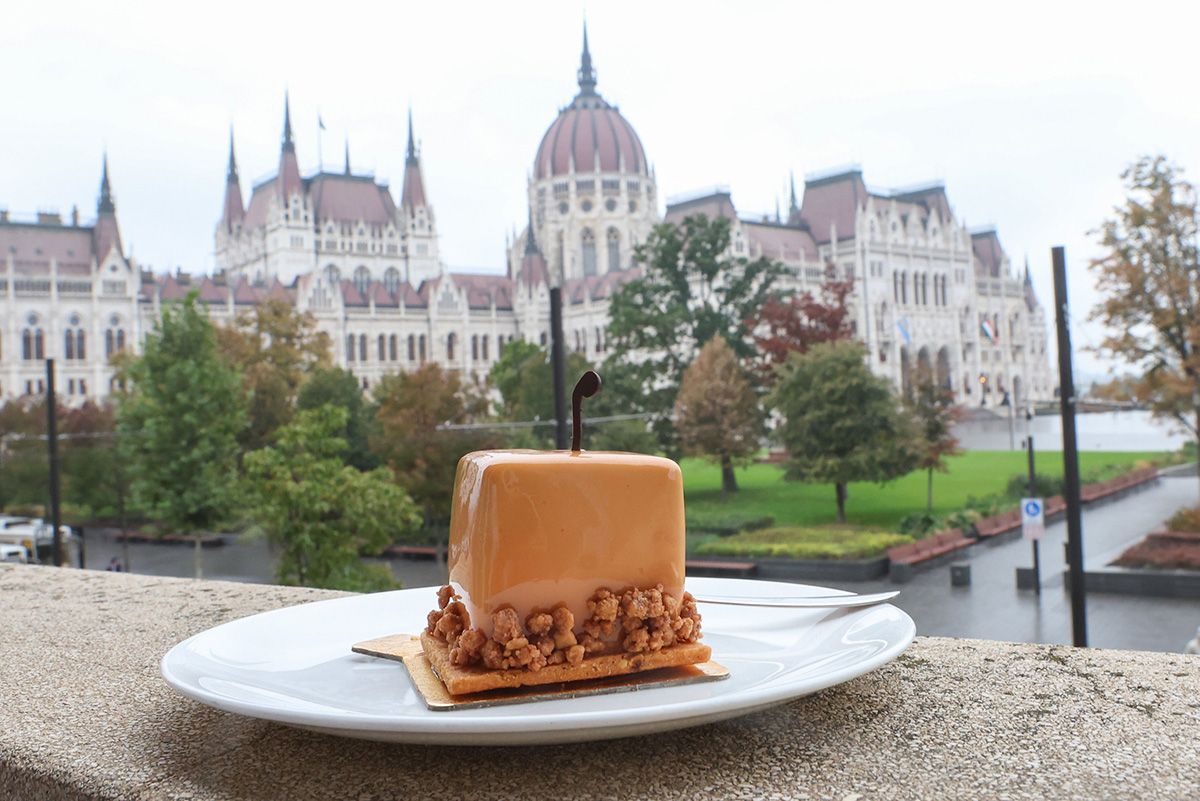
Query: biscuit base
(408, 650)
(463, 680)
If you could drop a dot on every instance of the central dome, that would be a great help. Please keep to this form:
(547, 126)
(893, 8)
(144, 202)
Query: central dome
(589, 134)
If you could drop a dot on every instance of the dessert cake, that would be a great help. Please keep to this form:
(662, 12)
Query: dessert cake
(564, 565)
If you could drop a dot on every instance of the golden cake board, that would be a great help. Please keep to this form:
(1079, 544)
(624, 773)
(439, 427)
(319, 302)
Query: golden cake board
(408, 650)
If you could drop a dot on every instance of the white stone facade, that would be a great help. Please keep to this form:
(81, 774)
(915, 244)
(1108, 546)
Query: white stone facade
(338, 245)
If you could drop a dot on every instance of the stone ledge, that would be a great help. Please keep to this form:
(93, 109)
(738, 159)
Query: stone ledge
(86, 716)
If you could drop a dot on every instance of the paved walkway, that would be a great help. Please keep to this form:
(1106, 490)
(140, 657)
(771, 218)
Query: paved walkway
(992, 608)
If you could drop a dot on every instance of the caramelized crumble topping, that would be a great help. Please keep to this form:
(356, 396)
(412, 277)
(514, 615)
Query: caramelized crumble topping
(634, 621)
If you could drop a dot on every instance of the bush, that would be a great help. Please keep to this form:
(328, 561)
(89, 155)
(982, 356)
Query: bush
(1186, 519)
(1043, 486)
(727, 526)
(920, 524)
(828, 542)
(963, 519)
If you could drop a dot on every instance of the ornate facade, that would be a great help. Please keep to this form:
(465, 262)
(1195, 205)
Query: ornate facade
(927, 292)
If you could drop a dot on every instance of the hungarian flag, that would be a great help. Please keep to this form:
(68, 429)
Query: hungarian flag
(988, 330)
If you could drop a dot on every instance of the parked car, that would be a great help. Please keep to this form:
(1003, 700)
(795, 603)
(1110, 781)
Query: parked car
(13, 553)
(37, 537)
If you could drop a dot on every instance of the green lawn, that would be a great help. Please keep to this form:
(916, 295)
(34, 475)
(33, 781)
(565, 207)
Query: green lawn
(763, 491)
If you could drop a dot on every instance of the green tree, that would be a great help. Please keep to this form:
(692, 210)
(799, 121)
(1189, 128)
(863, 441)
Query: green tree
(409, 408)
(179, 424)
(337, 387)
(24, 468)
(841, 422)
(274, 347)
(934, 412)
(717, 412)
(525, 380)
(1150, 277)
(323, 513)
(691, 289)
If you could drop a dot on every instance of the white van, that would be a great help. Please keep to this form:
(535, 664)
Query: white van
(13, 553)
(35, 536)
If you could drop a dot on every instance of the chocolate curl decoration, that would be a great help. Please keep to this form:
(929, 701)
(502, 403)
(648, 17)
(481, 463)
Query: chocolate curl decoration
(587, 386)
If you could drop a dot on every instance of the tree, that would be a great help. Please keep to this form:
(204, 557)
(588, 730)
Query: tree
(524, 377)
(337, 387)
(323, 513)
(1150, 274)
(935, 413)
(409, 408)
(180, 422)
(786, 325)
(274, 347)
(841, 422)
(716, 412)
(691, 289)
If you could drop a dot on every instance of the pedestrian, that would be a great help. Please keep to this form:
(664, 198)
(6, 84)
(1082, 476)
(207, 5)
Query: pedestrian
(114, 565)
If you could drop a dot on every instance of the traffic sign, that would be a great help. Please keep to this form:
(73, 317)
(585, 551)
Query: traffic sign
(1033, 519)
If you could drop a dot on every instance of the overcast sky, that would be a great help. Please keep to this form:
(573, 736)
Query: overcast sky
(1027, 112)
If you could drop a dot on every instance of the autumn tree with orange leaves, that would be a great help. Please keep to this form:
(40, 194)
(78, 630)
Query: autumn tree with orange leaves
(1150, 276)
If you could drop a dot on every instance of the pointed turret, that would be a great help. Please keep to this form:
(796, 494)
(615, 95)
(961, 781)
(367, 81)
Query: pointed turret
(289, 168)
(105, 204)
(347, 155)
(793, 204)
(412, 195)
(106, 235)
(587, 74)
(234, 213)
(530, 243)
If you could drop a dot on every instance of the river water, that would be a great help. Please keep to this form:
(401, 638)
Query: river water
(1095, 431)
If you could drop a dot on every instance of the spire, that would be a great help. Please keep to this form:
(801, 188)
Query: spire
(412, 195)
(106, 235)
(411, 158)
(792, 205)
(587, 75)
(347, 155)
(106, 204)
(288, 181)
(231, 176)
(778, 219)
(288, 144)
(233, 212)
(1028, 277)
(530, 243)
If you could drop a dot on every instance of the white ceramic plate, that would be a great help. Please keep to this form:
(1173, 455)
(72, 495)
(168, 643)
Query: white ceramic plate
(294, 666)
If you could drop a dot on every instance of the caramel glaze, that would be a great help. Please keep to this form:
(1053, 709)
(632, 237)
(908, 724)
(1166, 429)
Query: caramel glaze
(535, 529)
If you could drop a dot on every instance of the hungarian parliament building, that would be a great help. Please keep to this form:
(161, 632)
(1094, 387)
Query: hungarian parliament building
(928, 292)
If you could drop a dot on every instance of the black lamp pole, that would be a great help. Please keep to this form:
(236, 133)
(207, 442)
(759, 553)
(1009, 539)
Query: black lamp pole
(1066, 383)
(557, 367)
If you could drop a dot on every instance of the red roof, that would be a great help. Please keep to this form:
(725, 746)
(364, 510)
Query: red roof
(413, 194)
(33, 245)
(350, 198)
(783, 242)
(484, 289)
(989, 254)
(833, 200)
(718, 204)
(260, 199)
(588, 128)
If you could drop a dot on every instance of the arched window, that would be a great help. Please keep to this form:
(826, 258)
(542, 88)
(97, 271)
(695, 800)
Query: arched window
(412, 348)
(392, 348)
(421, 348)
(391, 280)
(382, 347)
(542, 339)
(120, 339)
(589, 251)
(484, 346)
(362, 280)
(80, 344)
(475, 347)
(109, 342)
(332, 274)
(350, 347)
(27, 344)
(70, 345)
(450, 341)
(614, 250)
(599, 341)
(362, 347)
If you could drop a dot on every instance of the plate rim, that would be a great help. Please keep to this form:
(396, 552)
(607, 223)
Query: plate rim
(426, 722)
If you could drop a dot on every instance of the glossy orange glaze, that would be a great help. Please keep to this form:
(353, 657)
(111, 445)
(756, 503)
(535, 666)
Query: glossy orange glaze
(533, 529)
